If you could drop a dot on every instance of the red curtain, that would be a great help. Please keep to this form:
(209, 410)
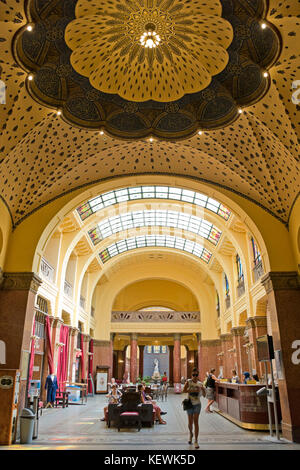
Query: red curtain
(83, 374)
(49, 347)
(63, 354)
(90, 388)
(31, 363)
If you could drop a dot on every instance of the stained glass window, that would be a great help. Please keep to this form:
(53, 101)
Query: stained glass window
(155, 241)
(226, 285)
(152, 192)
(155, 218)
(256, 253)
(239, 268)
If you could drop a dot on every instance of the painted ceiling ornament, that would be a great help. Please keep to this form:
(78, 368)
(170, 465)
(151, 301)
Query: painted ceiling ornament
(149, 49)
(92, 60)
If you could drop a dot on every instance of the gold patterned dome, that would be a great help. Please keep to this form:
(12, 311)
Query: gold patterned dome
(106, 42)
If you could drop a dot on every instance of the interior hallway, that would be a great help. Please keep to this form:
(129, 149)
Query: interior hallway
(79, 427)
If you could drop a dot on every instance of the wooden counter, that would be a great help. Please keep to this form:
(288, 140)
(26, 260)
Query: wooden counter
(240, 404)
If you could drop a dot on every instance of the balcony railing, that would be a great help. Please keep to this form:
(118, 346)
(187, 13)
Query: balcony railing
(93, 312)
(155, 316)
(258, 271)
(227, 302)
(47, 270)
(241, 288)
(68, 289)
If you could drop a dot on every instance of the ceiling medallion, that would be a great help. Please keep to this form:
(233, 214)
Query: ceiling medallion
(94, 62)
(149, 49)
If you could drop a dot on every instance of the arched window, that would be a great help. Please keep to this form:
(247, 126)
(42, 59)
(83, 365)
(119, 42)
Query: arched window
(226, 283)
(218, 304)
(239, 269)
(256, 253)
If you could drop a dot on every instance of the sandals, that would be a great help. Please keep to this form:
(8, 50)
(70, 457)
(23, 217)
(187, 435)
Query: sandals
(162, 422)
(196, 445)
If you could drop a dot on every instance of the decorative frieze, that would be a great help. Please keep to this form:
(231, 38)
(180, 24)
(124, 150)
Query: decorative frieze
(21, 281)
(253, 322)
(281, 281)
(238, 331)
(155, 317)
(211, 342)
(226, 337)
(99, 343)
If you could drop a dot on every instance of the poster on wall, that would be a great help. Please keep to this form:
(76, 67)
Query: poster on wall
(101, 384)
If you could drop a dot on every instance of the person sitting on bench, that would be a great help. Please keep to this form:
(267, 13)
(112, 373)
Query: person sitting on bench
(114, 397)
(156, 408)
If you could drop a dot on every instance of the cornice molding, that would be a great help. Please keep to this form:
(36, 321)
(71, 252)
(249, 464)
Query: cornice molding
(281, 280)
(253, 322)
(211, 342)
(99, 343)
(21, 281)
(238, 331)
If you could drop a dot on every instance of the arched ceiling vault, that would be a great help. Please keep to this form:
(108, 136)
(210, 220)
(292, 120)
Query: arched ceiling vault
(257, 156)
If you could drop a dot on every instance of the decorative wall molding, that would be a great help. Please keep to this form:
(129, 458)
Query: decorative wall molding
(155, 317)
(281, 280)
(100, 343)
(226, 337)
(21, 281)
(211, 342)
(254, 322)
(238, 331)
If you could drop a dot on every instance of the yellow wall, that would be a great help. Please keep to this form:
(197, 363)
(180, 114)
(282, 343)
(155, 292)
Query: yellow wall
(156, 292)
(5, 232)
(294, 227)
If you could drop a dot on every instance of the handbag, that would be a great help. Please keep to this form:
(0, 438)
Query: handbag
(187, 404)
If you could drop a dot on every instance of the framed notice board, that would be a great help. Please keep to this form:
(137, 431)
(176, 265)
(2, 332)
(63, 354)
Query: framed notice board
(101, 385)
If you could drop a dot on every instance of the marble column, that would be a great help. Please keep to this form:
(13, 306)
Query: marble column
(141, 361)
(283, 291)
(133, 357)
(256, 326)
(199, 365)
(171, 363)
(177, 359)
(240, 354)
(17, 309)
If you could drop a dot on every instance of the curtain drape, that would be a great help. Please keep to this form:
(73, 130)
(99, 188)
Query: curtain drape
(82, 358)
(90, 389)
(31, 363)
(49, 346)
(63, 355)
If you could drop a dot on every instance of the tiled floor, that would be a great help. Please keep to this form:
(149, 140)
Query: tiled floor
(79, 427)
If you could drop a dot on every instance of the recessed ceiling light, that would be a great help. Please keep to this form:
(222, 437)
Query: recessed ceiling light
(29, 27)
(58, 113)
(240, 110)
(263, 25)
(266, 74)
(200, 132)
(30, 77)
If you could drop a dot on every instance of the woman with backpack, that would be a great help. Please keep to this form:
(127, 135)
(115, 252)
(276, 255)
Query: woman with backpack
(210, 389)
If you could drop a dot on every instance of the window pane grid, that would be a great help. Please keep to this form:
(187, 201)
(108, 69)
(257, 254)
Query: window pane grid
(155, 241)
(152, 192)
(138, 219)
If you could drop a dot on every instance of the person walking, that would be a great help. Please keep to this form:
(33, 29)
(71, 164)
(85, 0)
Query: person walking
(210, 389)
(194, 388)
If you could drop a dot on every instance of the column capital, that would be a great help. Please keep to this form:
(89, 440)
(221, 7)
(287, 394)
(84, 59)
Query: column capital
(21, 281)
(238, 330)
(86, 338)
(134, 337)
(98, 342)
(281, 280)
(199, 337)
(211, 342)
(74, 331)
(253, 322)
(177, 337)
(57, 322)
(226, 337)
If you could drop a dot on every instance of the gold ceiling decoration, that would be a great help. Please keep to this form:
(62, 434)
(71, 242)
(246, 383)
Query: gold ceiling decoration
(106, 36)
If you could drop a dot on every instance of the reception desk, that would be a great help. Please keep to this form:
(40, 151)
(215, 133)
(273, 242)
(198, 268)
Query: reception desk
(240, 404)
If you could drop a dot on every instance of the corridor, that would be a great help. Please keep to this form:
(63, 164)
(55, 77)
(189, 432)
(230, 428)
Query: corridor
(79, 428)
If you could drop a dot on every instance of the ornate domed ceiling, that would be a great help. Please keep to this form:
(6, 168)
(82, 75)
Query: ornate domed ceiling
(89, 60)
(42, 156)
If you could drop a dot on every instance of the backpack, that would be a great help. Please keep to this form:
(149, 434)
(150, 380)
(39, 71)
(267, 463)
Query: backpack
(210, 382)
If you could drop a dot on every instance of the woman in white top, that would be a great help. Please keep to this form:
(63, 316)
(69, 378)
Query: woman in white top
(194, 388)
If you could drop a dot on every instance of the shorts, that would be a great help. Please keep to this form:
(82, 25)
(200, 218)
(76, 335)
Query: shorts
(210, 393)
(195, 410)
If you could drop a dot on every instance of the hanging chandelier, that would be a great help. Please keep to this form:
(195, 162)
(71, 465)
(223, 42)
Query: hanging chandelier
(150, 39)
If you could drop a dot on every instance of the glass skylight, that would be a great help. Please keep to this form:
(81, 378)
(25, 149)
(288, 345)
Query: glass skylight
(155, 218)
(155, 241)
(152, 192)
